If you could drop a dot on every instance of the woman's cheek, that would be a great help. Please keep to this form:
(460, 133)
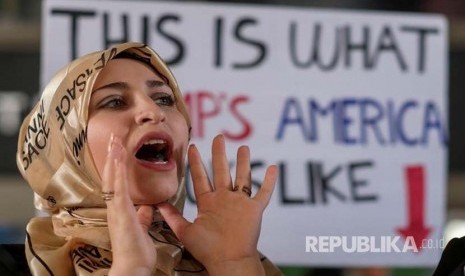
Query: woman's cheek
(98, 144)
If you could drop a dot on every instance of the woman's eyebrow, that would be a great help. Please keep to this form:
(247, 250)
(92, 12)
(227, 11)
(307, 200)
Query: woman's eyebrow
(155, 83)
(114, 85)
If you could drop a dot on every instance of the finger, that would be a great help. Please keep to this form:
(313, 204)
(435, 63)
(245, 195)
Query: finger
(243, 174)
(199, 175)
(108, 176)
(145, 216)
(221, 175)
(119, 205)
(120, 181)
(110, 171)
(266, 190)
(174, 219)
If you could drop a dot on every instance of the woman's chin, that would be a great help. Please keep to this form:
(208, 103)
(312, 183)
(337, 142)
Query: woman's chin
(152, 189)
(152, 197)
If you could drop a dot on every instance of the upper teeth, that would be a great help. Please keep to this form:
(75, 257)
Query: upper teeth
(155, 141)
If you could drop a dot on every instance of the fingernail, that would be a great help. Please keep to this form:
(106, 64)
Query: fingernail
(110, 143)
(223, 141)
(115, 148)
(192, 148)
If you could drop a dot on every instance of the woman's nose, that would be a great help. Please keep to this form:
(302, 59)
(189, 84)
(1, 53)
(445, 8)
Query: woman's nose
(149, 112)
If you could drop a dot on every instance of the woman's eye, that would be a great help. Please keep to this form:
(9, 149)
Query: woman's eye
(165, 100)
(116, 102)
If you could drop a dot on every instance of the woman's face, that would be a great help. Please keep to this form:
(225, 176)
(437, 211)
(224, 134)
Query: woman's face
(131, 101)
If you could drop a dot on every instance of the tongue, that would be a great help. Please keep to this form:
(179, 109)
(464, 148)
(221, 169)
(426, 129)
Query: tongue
(152, 153)
(159, 158)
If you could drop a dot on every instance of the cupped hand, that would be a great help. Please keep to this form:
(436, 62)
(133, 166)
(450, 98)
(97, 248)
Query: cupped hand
(226, 230)
(132, 247)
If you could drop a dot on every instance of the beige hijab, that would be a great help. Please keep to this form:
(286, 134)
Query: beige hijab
(54, 158)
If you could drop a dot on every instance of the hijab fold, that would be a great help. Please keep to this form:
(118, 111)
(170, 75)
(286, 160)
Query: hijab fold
(54, 158)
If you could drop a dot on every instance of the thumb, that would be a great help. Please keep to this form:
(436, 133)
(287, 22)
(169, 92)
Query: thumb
(145, 216)
(174, 219)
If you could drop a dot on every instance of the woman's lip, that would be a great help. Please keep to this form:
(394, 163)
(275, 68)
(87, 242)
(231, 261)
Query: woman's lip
(158, 166)
(153, 136)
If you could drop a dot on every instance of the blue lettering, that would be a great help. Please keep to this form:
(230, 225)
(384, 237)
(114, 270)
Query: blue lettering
(400, 120)
(432, 120)
(290, 105)
(345, 121)
(314, 109)
(371, 120)
(362, 121)
(391, 117)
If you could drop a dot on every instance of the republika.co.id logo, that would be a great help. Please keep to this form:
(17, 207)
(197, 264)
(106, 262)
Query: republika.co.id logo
(368, 244)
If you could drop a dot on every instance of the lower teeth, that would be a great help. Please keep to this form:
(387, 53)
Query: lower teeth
(159, 158)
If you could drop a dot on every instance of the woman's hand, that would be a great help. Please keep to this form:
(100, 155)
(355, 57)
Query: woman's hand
(225, 233)
(133, 250)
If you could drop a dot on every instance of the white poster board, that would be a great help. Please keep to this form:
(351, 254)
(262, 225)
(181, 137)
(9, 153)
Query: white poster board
(352, 106)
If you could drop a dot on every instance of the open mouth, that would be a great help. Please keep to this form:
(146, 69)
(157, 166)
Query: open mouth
(154, 151)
